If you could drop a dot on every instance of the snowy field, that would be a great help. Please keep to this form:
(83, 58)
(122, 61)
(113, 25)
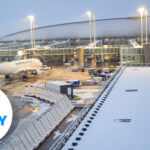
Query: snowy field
(123, 122)
(87, 95)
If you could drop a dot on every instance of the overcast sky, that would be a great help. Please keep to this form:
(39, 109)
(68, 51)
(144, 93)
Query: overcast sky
(47, 12)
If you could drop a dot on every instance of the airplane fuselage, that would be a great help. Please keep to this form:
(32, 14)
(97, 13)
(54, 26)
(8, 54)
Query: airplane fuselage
(15, 67)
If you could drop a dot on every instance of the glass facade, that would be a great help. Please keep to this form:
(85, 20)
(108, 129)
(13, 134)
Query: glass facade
(132, 55)
(98, 51)
(129, 54)
(63, 39)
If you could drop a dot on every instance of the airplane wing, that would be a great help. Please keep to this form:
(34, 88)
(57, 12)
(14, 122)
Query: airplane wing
(32, 69)
(46, 68)
(25, 70)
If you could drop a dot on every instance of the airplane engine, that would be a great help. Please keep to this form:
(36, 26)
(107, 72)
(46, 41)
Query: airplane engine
(7, 76)
(36, 72)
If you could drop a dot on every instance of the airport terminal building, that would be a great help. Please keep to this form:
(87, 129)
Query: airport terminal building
(117, 40)
(110, 104)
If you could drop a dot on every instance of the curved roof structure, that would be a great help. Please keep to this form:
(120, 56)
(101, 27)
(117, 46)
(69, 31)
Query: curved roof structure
(105, 28)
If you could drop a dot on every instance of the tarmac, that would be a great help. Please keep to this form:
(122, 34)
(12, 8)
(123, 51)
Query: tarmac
(23, 109)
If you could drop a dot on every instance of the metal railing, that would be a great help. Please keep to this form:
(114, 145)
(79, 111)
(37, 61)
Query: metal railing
(69, 130)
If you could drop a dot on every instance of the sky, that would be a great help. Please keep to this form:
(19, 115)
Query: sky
(13, 13)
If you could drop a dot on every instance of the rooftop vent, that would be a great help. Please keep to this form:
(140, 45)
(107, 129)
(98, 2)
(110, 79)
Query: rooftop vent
(91, 118)
(81, 133)
(131, 90)
(74, 144)
(78, 138)
(122, 120)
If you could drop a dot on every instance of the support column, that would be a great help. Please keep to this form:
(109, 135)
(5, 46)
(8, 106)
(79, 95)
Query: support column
(64, 58)
(81, 57)
(93, 62)
(146, 54)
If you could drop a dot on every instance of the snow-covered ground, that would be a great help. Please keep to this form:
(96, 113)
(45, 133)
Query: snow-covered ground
(86, 95)
(73, 117)
(57, 134)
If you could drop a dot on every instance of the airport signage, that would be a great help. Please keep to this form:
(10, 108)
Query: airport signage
(5, 114)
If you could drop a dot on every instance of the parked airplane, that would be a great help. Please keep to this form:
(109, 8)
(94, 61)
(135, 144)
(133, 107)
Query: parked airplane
(21, 67)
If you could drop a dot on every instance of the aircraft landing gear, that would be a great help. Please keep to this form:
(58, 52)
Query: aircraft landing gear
(25, 77)
(7, 76)
(34, 73)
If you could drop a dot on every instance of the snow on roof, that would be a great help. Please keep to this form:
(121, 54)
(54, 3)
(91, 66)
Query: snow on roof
(58, 83)
(123, 122)
(73, 80)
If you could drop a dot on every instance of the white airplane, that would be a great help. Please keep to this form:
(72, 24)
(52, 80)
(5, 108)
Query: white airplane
(21, 67)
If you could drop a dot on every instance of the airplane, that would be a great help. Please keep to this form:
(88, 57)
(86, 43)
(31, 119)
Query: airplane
(33, 66)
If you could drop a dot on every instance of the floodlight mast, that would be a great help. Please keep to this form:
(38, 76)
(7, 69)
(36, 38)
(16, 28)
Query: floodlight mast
(31, 19)
(90, 21)
(141, 11)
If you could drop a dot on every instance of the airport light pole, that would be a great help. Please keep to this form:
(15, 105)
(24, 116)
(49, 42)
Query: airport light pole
(146, 15)
(141, 11)
(20, 53)
(31, 19)
(94, 28)
(90, 21)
